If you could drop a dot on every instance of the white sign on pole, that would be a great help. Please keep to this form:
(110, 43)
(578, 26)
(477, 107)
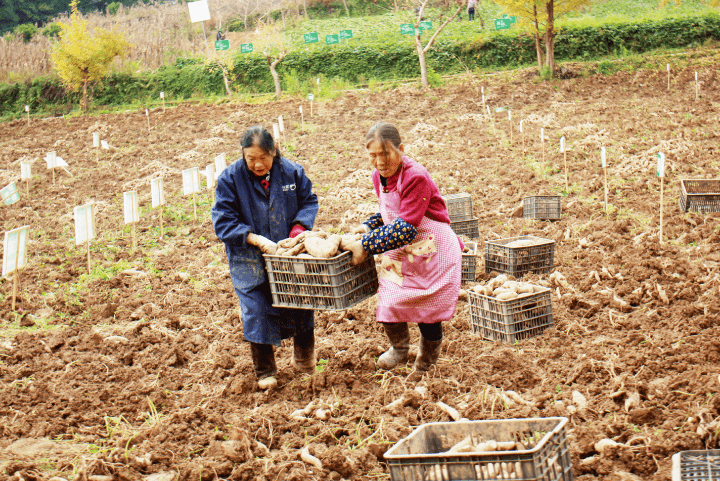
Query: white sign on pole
(84, 223)
(509, 116)
(301, 109)
(25, 171)
(280, 123)
(51, 159)
(27, 108)
(660, 164)
(162, 95)
(96, 139)
(219, 164)
(9, 194)
(130, 207)
(668, 67)
(104, 144)
(521, 125)
(488, 110)
(276, 132)
(542, 134)
(157, 192)
(15, 252)
(562, 144)
(603, 157)
(199, 11)
(191, 181)
(210, 174)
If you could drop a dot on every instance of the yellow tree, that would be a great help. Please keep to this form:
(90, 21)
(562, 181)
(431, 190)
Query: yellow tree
(540, 16)
(83, 57)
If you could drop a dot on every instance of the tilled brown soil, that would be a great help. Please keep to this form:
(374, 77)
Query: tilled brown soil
(140, 368)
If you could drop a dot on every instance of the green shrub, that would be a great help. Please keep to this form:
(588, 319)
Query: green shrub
(52, 30)
(26, 30)
(112, 9)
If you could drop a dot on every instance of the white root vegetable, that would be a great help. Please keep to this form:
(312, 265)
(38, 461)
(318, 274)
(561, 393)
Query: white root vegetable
(322, 414)
(579, 400)
(506, 296)
(506, 445)
(309, 458)
(347, 239)
(395, 404)
(450, 411)
(605, 445)
(322, 248)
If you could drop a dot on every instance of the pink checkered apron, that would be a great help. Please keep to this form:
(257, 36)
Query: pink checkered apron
(419, 282)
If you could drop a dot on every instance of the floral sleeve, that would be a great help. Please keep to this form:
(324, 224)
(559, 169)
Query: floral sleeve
(388, 237)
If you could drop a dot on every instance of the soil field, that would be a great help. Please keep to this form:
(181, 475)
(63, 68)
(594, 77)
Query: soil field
(138, 370)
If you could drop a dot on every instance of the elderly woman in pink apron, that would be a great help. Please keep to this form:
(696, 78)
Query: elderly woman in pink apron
(422, 257)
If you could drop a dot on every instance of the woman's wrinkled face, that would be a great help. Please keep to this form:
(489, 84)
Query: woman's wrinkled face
(258, 161)
(387, 163)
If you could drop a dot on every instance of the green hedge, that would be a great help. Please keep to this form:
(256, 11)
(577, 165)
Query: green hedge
(385, 59)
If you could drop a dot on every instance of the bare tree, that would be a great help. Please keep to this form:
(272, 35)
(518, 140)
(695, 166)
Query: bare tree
(421, 51)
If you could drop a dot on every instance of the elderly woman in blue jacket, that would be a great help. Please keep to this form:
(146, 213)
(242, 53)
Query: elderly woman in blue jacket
(261, 199)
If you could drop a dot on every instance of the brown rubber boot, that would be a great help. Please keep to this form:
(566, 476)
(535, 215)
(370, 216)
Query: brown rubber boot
(263, 358)
(304, 352)
(427, 354)
(399, 336)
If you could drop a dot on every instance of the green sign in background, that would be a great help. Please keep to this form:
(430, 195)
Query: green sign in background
(222, 44)
(502, 23)
(246, 48)
(345, 34)
(331, 39)
(312, 37)
(425, 25)
(407, 29)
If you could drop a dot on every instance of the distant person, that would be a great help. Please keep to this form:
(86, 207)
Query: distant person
(220, 35)
(260, 199)
(471, 10)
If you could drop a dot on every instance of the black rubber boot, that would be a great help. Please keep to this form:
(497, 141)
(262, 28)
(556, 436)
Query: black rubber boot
(399, 336)
(304, 352)
(427, 354)
(263, 358)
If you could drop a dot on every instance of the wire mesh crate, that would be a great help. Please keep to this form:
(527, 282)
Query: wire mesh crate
(468, 228)
(322, 284)
(423, 456)
(701, 465)
(519, 255)
(702, 196)
(543, 207)
(510, 320)
(459, 206)
(469, 263)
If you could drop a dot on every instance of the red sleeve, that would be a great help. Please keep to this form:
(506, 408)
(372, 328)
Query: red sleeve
(376, 182)
(415, 198)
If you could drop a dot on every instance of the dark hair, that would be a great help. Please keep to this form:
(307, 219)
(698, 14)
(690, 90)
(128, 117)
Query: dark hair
(388, 136)
(258, 136)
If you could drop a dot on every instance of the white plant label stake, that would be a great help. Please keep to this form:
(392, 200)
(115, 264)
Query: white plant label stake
(96, 145)
(668, 71)
(281, 124)
(131, 213)
(85, 227)
(147, 114)
(311, 97)
(51, 160)
(302, 117)
(191, 185)
(9, 194)
(210, 174)
(564, 152)
(219, 164)
(104, 144)
(27, 111)
(276, 132)
(157, 194)
(511, 126)
(162, 96)
(25, 174)
(15, 255)
(542, 142)
(697, 87)
(661, 174)
(603, 160)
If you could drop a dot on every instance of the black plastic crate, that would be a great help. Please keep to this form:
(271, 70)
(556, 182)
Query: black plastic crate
(469, 263)
(501, 256)
(321, 284)
(543, 207)
(511, 320)
(701, 196)
(422, 456)
(701, 465)
(459, 206)
(469, 228)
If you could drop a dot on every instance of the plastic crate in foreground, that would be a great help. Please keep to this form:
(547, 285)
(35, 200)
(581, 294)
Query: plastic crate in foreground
(503, 256)
(469, 263)
(459, 206)
(702, 196)
(512, 320)
(422, 456)
(468, 228)
(701, 465)
(542, 207)
(322, 284)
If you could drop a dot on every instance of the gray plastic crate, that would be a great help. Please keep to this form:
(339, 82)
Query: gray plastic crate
(542, 207)
(702, 196)
(469, 263)
(459, 206)
(422, 456)
(321, 284)
(512, 320)
(701, 465)
(469, 228)
(518, 261)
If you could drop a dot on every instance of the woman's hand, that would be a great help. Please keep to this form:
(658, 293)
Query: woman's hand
(358, 253)
(361, 229)
(265, 245)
